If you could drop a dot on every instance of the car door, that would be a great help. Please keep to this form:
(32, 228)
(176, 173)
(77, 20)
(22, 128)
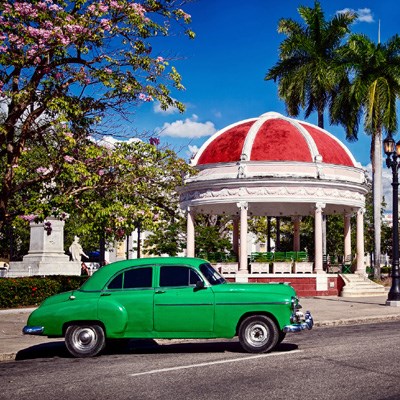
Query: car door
(181, 306)
(126, 303)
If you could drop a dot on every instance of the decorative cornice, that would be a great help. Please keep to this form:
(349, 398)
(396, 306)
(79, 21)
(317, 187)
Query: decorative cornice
(292, 193)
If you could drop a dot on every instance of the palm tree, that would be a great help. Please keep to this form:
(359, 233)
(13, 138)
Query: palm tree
(370, 90)
(306, 71)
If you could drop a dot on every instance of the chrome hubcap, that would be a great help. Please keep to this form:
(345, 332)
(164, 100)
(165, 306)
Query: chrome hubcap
(84, 338)
(256, 334)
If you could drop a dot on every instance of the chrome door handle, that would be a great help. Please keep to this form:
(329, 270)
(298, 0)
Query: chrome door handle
(160, 291)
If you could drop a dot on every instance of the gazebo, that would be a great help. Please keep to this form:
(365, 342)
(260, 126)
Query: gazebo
(276, 166)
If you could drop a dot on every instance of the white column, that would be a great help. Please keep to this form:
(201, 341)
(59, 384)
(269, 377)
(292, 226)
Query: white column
(360, 269)
(235, 239)
(347, 235)
(190, 233)
(324, 234)
(296, 233)
(318, 238)
(243, 268)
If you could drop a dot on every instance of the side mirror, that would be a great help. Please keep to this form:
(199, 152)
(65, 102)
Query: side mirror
(200, 285)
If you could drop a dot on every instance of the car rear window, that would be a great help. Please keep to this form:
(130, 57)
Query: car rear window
(132, 279)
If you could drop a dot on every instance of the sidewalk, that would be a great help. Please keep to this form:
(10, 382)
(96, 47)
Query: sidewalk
(325, 311)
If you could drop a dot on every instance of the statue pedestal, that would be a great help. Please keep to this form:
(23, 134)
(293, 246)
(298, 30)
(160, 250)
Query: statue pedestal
(46, 252)
(23, 268)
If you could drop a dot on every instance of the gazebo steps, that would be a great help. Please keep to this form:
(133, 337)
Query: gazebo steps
(358, 286)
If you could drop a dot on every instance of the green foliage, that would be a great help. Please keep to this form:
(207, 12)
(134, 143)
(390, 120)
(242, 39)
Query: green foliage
(258, 226)
(307, 71)
(371, 87)
(212, 235)
(335, 235)
(167, 238)
(31, 291)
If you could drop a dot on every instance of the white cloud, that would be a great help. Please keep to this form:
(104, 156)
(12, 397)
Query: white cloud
(158, 110)
(110, 141)
(363, 14)
(188, 128)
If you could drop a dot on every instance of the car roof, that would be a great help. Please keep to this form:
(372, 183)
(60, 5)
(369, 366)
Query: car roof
(99, 278)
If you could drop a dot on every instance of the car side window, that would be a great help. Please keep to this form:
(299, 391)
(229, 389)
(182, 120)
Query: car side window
(116, 283)
(178, 276)
(133, 278)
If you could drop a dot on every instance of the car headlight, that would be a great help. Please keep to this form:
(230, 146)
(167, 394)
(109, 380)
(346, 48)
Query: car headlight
(294, 304)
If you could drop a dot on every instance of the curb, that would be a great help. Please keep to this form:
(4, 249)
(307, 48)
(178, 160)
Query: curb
(8, 357)
(361, 320)
(16, 310)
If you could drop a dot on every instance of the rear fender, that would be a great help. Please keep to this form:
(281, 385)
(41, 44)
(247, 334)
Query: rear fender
(114, 317)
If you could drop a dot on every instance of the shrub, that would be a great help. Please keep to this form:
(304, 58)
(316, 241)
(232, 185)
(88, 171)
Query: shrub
(31, 291)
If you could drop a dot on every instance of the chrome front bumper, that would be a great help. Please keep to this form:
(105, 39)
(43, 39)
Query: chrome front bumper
(33, 330)
(304, 322)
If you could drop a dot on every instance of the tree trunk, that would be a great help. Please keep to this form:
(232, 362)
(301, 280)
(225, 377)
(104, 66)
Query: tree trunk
(376, 158)
(268, 234)
(278, 234)
(324, 218)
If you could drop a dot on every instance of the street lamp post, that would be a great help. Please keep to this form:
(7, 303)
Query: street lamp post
(392, 151)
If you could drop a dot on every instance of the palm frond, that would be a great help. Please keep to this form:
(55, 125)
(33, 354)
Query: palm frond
(307, 70)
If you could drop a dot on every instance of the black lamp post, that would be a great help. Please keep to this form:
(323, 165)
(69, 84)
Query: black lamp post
(392, 151)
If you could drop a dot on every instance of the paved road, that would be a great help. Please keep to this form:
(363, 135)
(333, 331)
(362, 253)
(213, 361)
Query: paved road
(342, 362)
(327, 311)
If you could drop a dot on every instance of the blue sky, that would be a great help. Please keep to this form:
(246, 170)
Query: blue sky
(223, 68)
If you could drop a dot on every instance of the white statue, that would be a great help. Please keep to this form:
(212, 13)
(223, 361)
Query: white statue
(76, 250)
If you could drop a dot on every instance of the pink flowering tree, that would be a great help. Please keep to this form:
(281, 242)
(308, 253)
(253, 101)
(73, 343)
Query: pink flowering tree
(64, 67)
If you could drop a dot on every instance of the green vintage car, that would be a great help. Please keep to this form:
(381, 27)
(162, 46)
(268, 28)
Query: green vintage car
(175, 297)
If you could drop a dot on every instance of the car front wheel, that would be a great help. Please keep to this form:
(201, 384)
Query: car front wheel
(258, 334)
(85, 340)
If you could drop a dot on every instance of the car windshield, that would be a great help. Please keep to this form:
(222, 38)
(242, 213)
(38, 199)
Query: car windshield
(213, 277)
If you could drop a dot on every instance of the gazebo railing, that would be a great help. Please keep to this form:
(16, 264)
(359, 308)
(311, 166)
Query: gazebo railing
(280, 262)
(263, 262)
(279, 256)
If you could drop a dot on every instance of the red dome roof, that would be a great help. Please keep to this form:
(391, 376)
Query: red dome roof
(273, 137)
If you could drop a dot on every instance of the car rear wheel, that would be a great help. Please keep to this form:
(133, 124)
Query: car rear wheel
(85, 340)
(282, 336)
(258, 334)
